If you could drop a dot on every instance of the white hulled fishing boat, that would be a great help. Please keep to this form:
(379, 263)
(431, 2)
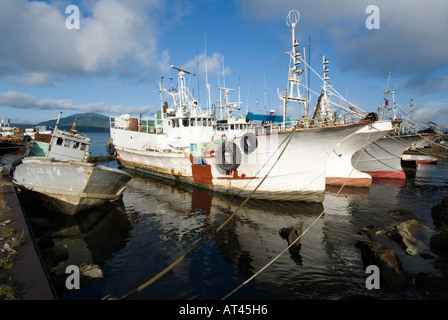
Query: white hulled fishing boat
(55, 174)
(383, 157)
(277, 160)
(340, 171)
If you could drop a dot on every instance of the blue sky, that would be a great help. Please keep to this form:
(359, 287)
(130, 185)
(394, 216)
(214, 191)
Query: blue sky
(112, 64)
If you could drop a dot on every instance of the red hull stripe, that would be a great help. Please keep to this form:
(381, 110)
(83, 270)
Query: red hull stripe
(387, 174)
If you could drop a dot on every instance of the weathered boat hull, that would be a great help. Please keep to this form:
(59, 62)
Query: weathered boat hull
(340, 171)
(299, 175)
(382, 158)
(68, 186)
(418, 157)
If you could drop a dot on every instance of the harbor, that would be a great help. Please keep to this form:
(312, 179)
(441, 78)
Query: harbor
(30, 279)
(318, 198)
(159, 220)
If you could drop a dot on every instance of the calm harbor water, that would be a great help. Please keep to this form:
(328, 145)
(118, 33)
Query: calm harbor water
(157, 222)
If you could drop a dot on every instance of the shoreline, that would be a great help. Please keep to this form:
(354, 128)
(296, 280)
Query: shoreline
(28, 275)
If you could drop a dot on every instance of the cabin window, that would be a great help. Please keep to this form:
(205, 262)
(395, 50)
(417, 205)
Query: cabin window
(75, 145)
(59, 141)
(192, 122)
(199, 122)
(83, 146)
(169, 122)
(185, 122)
(232, 127)
(209, 122)
(67, 143)
(176, 123)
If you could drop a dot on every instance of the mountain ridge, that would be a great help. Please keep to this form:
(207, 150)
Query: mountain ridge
(85, 122)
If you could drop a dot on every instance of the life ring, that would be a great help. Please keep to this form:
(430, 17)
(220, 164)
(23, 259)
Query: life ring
(225, 152)
(249, 142)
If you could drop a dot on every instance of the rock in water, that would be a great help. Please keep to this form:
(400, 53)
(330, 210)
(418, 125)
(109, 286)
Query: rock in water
(440, 215)
(292, 233)
(399, 212)
(392, 274)
(413, 235)
(90, 273)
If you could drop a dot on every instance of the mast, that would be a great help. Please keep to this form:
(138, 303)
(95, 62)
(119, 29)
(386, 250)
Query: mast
(207, 85)
(183, 98)
(294, 71)
(54, 132)
(161, 97)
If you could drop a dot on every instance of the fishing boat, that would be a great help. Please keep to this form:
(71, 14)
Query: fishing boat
(340, 171)
(30, 133)
(55, 173)
(275, 160)
(383, 157)
(10, 137)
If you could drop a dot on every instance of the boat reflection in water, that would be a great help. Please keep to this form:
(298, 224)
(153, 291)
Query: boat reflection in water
(87, 239)
(163, 220)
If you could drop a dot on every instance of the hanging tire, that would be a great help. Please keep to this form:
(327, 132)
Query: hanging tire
(228, 156)
(110, 148)
(249, 143)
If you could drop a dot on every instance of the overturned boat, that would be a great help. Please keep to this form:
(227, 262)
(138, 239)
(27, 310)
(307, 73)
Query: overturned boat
(55, 173)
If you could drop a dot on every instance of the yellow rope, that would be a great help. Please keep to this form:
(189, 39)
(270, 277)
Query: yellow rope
(300, 236)
(175, 263)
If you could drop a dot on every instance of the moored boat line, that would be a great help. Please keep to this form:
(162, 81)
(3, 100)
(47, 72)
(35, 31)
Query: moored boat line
(285, 160)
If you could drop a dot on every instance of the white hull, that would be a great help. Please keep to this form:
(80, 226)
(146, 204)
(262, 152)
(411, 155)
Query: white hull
(382, 158)
(68, 186)
(299, 175)
(340, 171)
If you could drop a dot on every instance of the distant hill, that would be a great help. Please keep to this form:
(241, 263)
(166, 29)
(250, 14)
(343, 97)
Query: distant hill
(86, 122)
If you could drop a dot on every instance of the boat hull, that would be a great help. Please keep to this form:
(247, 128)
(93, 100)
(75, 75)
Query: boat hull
(340, 171)
(298, 175)
(420, 158)
(382, 158)
(68, 187)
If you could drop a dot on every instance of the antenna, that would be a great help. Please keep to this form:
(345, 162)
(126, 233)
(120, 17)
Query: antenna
(207, 85)
(182, 70)
(292, 18)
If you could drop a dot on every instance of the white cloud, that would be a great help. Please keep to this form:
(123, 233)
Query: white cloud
(435, 111)
(115, 37)
(21, 100)
(410, 41)
(215, 65)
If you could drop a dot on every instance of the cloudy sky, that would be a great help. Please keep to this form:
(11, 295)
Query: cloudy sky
(113, 63)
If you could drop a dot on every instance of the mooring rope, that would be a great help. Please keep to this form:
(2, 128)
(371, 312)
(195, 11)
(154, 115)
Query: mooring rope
(183, 257)
(301, 235)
